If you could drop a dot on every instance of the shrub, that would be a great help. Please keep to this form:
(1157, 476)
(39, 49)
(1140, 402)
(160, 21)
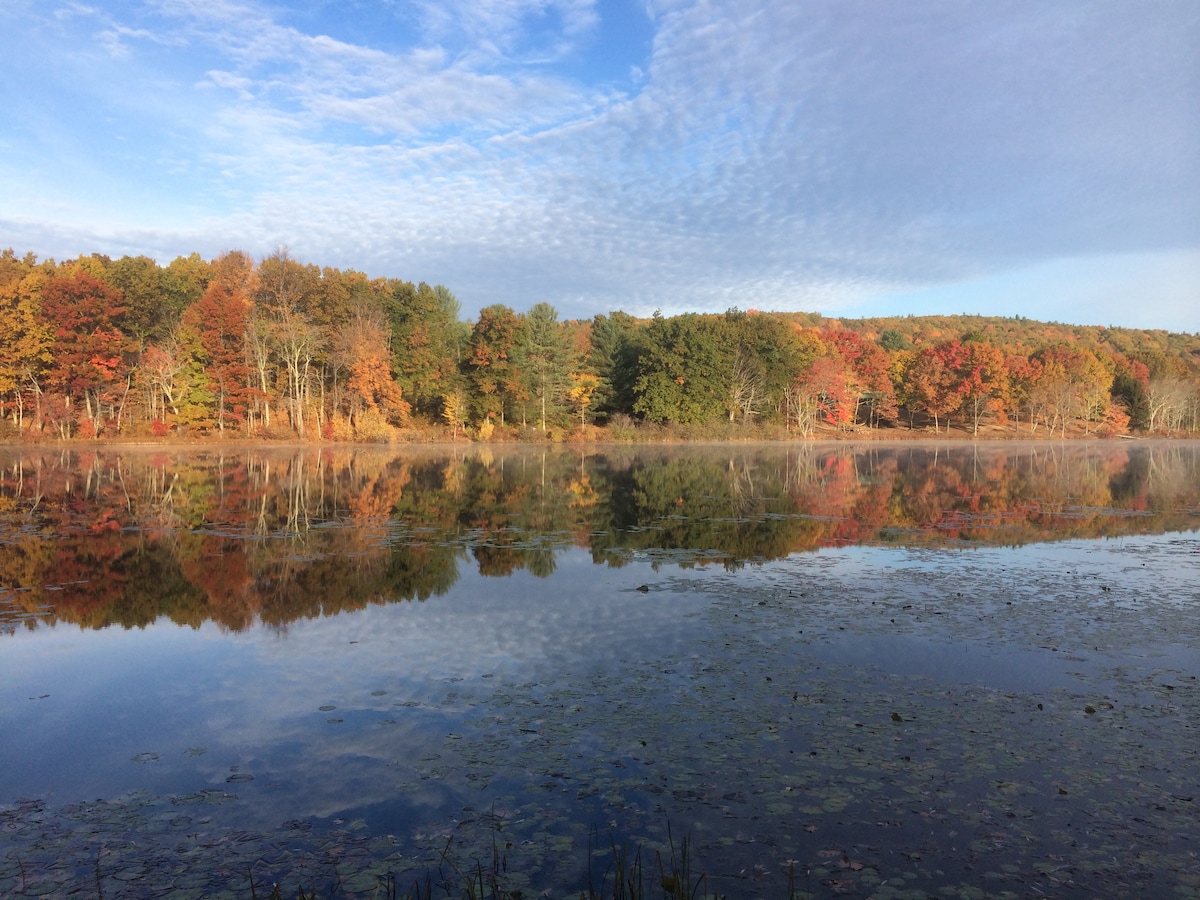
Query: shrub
(622, 428)
(370, 425)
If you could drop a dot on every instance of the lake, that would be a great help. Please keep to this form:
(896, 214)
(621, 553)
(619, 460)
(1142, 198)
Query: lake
(870, 670)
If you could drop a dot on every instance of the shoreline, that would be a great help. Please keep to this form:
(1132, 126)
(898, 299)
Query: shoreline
(863, 437)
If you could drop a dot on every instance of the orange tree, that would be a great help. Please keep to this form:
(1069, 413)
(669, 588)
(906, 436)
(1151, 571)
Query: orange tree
(219, 320)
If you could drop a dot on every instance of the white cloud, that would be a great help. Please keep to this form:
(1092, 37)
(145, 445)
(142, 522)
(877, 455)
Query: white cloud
(501, 29)
(774, 155)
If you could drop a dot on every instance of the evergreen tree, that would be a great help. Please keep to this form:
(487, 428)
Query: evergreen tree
(547, 360)
(616, 346)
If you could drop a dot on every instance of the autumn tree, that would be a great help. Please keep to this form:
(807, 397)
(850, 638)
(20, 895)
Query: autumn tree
(982, 382)
(491, 362)
(90, 354)
(583, 388)
(1072, 383)
(932, 380)
(1020, 375)
(831, 389)
(24, 336)
(361, 347)
(219, 320)
(1095, 378)
(454, 412)
(903, 385)
(869, 364)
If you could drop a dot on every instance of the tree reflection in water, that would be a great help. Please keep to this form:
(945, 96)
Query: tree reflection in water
(123, 536)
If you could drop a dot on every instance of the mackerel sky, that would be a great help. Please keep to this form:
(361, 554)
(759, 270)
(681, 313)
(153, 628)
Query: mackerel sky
(851, 157)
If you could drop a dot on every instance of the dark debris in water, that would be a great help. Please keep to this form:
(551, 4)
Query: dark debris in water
(141, 846)
(784, 757)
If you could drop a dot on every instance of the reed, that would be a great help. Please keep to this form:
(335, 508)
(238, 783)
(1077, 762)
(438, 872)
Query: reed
(625, 878)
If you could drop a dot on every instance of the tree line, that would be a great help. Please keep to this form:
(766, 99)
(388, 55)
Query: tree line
(231, 347)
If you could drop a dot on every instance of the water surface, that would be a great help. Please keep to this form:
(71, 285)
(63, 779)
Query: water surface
(897, 671)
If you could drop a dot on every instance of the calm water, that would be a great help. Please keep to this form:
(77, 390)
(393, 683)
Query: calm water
(892, 671)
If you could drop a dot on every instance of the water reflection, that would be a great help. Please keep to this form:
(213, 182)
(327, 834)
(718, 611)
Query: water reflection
(127, 537)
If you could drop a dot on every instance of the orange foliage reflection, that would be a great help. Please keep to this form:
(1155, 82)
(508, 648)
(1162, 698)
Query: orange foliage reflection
(237, 537)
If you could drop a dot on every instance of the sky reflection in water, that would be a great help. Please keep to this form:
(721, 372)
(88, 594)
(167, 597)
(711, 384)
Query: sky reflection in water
(773, 710)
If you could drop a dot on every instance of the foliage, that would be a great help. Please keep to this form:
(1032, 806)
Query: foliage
(546, 359)
(102, 347)
(25, 340)
(89, 353)
(427, 340)
(361, 346)
(832, 389)
(616, 345)
(583, 387)
(491, 362)
(219, 319)
(685, 370)
(454, 412)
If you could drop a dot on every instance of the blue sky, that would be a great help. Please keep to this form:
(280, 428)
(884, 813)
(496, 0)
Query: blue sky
(852, 157)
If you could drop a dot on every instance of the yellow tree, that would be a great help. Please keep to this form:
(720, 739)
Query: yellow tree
(24, 338)
(454, 411)
(1072, 384)
(583, 386)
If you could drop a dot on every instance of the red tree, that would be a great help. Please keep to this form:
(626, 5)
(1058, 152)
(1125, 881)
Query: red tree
(220, 318)
(829, 381)
(869, 363)
(90, 353)
(933, 379)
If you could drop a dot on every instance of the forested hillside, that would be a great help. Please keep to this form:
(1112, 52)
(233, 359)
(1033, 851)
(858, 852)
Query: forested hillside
(96, 347)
